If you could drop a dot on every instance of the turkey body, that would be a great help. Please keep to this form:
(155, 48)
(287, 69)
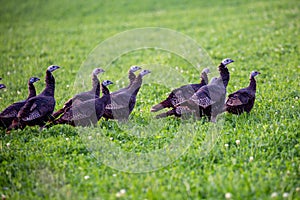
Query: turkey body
(84, 96)
(88, 112)
(209, 100)
(122, 103)
(10, 113)
(38, 110)
(243, 99)
(179, 95)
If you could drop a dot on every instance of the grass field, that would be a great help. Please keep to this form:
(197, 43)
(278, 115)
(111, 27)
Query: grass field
(56, 163)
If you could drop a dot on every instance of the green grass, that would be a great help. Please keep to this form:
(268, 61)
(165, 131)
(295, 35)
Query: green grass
(52, 164)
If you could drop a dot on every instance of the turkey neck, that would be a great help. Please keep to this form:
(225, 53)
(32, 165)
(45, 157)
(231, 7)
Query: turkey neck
(224, 73)
(136, 85)
(105, 96)
(105, 90)
(50, 84)
(96, 85)
(252, 84)
(31, 90)
(204, 79)
(131, 77)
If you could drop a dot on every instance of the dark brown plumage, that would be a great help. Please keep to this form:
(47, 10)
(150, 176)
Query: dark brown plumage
(87, 112)
(11, 112)
(37, 110)
(122, 103)
(84, 96)
(209, 99)
(179, 95)
(243, 99)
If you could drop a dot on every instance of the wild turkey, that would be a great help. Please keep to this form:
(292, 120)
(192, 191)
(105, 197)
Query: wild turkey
(131, 78)
(122, 103)
(179, 95)
(11, 112)
(184, 111)
(37, 110)
(84, 96)
(243, 99)
(87, 112)
(209, 100)
(2, 85)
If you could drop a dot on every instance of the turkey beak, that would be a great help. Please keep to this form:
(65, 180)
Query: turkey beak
(56, 67)
(231, 61)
